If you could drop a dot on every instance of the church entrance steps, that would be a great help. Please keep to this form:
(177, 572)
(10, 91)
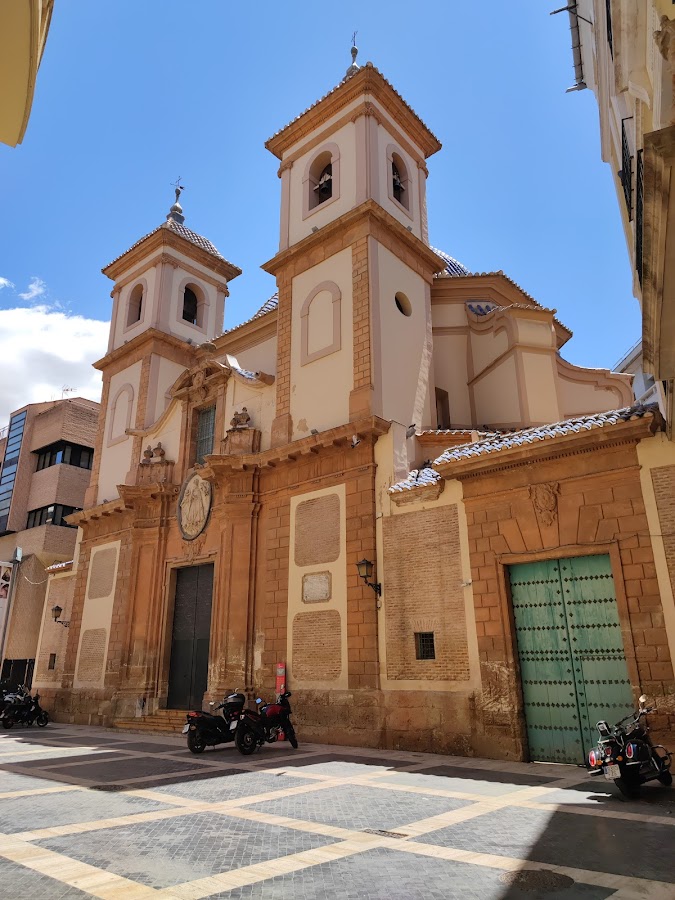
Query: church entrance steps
(168, 721)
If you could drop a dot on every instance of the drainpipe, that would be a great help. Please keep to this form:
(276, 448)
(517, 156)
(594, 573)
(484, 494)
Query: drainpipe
(571, 10)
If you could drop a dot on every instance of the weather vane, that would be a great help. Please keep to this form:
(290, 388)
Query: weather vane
(354, 39)
(178, 187)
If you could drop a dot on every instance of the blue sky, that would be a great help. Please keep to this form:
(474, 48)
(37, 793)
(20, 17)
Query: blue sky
(132, 94)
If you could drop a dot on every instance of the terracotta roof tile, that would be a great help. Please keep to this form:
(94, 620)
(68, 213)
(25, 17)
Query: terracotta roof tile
(267, 307)
(171, 225)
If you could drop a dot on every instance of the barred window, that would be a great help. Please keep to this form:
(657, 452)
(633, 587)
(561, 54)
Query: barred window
(424, 645)
(206, 422)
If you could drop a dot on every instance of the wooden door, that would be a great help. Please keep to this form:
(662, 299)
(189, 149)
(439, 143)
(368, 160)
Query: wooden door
(188, 669)
(572, 661)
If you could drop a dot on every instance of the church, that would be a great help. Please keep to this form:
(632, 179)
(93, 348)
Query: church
(387, 489)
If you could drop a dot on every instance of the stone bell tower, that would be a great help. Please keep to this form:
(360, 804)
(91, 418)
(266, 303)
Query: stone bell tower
(354, 268)
(168, 298)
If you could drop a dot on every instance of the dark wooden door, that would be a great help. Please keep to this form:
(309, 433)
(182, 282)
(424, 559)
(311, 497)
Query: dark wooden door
(188, 671)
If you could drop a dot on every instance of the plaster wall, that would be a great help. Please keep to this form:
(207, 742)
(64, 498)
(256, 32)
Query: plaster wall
(539, 375)
(259, 403)
(533, 333)
(320, 389)
(97, 614)
(497, 396)
(585, 396)
(53, 638)
(486, 346)
(299, 228)
(260, 358)
(117, 447)
(168, 434)
(406, 343)
(337, 570)
(449, 315)
(450, 374)
(166, 374)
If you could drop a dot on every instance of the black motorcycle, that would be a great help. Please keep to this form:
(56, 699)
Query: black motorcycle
(22, 709)
(626, 755)
(269, 723)
(206, 729)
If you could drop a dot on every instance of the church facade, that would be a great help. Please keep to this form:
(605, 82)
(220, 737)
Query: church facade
(386, 408)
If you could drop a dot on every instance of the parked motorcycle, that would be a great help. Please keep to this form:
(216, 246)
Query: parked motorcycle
(22, 709)
(626, 755)
(269, 723)
(206, 729)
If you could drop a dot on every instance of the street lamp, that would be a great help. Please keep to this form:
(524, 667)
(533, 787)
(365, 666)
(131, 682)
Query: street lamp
(365, 569)
(56, 615)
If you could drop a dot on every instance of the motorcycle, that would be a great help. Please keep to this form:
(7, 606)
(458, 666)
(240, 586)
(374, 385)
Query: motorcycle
(206, 729)
(269, 723)
(626, 755)
(22, 709)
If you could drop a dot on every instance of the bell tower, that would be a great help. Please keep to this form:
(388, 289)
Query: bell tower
(168, 298)
(354, 268)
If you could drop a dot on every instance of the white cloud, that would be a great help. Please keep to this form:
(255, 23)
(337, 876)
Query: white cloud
(36, 288)
(43, 349)
(5, 282)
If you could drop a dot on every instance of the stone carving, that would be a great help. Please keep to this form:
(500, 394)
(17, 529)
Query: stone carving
(193, 549)
(147, 455)
(158, 452)
(240, 420)
(316, 587)
(194, 506)
(544, 498)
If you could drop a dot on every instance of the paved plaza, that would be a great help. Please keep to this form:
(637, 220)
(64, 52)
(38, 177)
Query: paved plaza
(88, 812)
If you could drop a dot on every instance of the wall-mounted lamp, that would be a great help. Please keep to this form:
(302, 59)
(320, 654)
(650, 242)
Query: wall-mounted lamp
(56, 615)
(365, 568)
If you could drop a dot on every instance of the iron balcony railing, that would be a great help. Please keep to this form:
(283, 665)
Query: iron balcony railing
(639, 201)
(626, 170)
(610, 39)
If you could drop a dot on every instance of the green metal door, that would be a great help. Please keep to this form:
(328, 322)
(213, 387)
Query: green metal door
(572, 661)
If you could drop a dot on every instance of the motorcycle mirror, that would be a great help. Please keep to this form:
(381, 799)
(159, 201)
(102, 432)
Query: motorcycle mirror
(258, 700)
(643, 698)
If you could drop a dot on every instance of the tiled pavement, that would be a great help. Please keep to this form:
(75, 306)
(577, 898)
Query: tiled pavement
(86, 812)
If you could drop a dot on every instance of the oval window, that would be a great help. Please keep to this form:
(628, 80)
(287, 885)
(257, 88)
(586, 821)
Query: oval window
(403, 304)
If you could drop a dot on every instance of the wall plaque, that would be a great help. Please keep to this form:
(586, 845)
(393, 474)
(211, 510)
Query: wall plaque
(194, 506)
(316, 587)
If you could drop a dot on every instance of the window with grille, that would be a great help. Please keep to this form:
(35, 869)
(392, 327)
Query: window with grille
(206, 422)
(639, 203)
(626, 171)
(424, 645)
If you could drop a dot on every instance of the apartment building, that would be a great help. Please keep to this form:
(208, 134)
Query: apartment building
(46, 453)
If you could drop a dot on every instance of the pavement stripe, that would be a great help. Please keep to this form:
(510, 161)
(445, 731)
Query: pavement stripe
(79, 875)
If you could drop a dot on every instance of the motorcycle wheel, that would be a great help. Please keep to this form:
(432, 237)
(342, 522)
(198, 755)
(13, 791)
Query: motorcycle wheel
(43, 719)
(630, 789)
(7, 723)
(195, 742)
(666, 779)
(290, 734)
(246, 741)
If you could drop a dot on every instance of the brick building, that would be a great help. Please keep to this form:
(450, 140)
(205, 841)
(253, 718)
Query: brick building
(385, 406)
(46, 455)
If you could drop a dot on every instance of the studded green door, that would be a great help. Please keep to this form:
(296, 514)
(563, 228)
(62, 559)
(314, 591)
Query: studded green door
(572, 661)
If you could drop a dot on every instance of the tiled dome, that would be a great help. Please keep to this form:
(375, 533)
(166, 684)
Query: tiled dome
(453, 267)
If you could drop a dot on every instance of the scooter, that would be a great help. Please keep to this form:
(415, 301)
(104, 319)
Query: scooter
(22, 709)
(206, 729)
(269, 723)
(626, 755)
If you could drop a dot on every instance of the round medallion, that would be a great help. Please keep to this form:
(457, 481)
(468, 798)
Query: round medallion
(194, 506)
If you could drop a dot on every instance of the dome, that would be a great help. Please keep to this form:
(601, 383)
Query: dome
(453, 267)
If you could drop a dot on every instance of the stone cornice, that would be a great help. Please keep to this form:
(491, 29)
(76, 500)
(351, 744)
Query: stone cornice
(368, 218)
(340, 436)
(153, 339)
(366, 81)
(164, 237)
(628, 432)
(164, 255)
